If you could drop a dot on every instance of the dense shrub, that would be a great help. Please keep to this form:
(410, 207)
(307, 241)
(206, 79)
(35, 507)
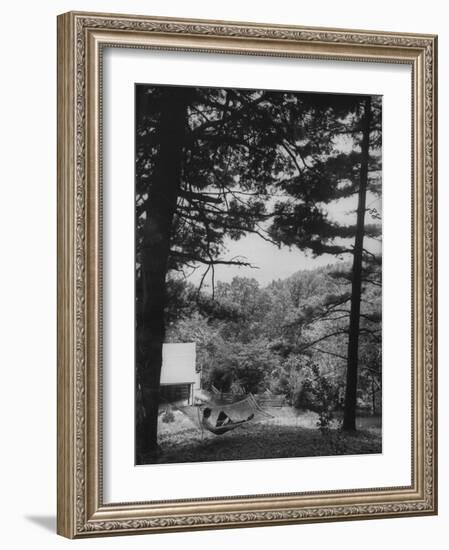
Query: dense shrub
(168, 417)
(319, 395)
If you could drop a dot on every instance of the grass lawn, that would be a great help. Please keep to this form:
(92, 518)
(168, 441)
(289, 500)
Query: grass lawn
(288, 434)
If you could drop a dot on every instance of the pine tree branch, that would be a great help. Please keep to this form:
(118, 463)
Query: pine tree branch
(195, 258)
(201, 197)
(344, 358)
(371, 281)
(310, 344)
(375, 258)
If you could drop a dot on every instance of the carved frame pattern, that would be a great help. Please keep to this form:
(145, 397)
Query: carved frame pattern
(80, 508)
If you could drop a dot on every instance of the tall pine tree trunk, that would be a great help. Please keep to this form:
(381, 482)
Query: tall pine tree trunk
(349, 420)
(160, 211)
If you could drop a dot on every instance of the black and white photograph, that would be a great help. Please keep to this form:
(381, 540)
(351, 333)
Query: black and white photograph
(258, 274)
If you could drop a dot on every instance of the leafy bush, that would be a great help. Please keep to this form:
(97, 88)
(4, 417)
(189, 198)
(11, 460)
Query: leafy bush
(318, 395)
(168, 417)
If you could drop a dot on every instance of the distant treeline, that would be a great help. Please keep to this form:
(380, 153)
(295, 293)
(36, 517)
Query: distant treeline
(289, 337)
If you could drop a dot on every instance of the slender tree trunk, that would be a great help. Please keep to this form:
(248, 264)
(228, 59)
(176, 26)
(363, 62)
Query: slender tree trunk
(160, 211)
(349, 420)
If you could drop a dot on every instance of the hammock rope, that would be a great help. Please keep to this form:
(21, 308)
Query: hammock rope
(220, 418)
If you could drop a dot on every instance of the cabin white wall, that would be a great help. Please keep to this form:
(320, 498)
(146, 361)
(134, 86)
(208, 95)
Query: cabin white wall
(179, 364)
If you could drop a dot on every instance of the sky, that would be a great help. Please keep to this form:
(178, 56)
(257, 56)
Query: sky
(279, 263)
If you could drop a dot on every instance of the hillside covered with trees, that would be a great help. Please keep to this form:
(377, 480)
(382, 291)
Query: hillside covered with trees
(289, 337)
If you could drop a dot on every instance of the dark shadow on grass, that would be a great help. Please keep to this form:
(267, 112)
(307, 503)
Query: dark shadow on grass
(46, 522)
(269, 441)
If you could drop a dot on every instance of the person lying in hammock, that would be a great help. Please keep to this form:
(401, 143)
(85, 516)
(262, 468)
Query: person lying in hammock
(223, 424)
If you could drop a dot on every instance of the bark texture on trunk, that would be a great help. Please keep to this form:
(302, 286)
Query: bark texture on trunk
(160, 212)
(349, 420)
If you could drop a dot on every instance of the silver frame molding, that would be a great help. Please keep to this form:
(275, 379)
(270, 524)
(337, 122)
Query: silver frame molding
(81, 37)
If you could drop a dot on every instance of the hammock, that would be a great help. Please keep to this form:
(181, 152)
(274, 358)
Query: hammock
(221, 418)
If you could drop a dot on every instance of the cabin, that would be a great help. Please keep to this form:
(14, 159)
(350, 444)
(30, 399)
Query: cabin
(179, 376)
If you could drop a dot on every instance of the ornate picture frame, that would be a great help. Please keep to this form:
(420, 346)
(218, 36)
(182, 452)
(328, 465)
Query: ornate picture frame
(82, 40)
